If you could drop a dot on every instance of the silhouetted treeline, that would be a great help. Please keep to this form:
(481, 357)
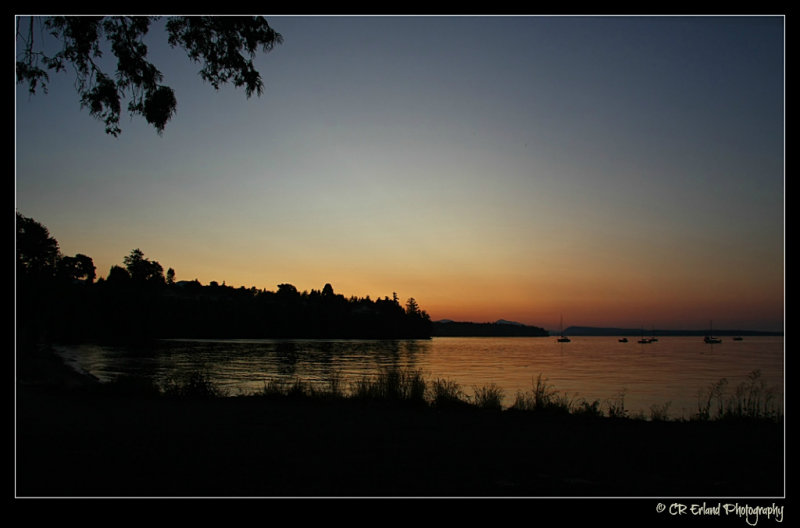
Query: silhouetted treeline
(59, 300)
(463, 329)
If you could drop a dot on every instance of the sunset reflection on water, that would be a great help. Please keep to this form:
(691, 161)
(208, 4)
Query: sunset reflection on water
(671, 371)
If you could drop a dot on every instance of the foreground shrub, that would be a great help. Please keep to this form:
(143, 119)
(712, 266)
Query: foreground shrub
(489, 397)
(445, 393)
(128, 385)
(194, 385)
(585, 408)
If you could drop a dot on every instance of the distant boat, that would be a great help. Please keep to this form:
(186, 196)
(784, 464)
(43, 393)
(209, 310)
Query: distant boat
(737, 338)
(563, 338)
(710, 339)
(623, 340)
(644, 340)
(654, 338)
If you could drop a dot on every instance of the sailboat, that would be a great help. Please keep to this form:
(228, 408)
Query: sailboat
(644, 340)
(710, 339)
(563, 338)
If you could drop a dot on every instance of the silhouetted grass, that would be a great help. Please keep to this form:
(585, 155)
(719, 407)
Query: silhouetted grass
(543, 398)
(489, 397)
(299, 389)
(660, 413)
(616, 406)
(274, 388)
(335, 388)
(393, 385)
(751, 400)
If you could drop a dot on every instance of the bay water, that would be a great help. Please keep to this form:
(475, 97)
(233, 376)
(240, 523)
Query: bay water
(670, 374)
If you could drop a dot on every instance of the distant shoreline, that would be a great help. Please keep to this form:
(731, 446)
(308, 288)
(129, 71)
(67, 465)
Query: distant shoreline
(600, 332)
(497, 329)
(448, 328)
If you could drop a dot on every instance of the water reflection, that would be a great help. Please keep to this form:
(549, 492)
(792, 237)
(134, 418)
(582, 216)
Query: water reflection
(671, 370)
(244, 366)
(287, 357)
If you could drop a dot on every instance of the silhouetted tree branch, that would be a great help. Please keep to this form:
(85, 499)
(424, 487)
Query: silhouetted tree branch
(224, 46)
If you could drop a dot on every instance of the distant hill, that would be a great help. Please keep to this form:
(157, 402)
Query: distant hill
(503, 321)
(597, 331)
(501, 328)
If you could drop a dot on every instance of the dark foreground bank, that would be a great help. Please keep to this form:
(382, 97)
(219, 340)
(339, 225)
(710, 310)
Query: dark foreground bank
(73, 440)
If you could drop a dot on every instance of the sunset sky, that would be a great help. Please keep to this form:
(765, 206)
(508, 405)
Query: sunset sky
(618, 171)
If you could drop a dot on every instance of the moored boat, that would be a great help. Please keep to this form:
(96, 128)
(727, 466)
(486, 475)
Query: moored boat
(563, 338)
(710, 339)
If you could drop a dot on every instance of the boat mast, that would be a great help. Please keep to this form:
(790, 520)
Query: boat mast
(562, 338)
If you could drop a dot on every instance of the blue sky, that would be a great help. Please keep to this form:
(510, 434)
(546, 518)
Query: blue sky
(618, 170)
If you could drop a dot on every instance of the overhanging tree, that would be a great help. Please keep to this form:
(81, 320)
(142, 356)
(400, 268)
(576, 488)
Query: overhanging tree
(225, 46)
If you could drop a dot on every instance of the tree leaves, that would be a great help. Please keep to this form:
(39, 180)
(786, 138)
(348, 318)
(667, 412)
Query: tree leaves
(103, 101)
(225, 46)
(159, 106)
(37, 251)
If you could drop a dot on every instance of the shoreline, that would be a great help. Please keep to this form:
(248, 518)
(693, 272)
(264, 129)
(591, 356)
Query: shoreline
(73, 440)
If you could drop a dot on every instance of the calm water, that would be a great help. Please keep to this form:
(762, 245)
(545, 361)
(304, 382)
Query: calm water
(671, 370)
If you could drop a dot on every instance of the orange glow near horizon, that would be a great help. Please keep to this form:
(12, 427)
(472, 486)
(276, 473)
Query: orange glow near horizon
(582, 298)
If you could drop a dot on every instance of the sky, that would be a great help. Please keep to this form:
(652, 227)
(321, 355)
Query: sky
(610, 171)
